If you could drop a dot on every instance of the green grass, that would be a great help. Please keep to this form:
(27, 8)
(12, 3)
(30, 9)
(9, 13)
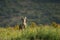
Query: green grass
(30, 33)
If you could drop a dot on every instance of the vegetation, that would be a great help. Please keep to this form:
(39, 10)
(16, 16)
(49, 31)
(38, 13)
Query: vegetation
(41, 32)
(43, 12)
(39, 11)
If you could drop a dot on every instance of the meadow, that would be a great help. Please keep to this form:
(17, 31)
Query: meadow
(32, 32)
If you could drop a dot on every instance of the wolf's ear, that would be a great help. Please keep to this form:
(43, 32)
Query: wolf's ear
(25, 17)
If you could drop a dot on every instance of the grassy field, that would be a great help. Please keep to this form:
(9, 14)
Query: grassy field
(30, 33)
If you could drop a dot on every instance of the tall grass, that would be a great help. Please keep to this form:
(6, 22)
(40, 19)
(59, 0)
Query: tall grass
(30, 33)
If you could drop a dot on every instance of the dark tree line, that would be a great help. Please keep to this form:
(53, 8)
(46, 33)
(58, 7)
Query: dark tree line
(34, 10)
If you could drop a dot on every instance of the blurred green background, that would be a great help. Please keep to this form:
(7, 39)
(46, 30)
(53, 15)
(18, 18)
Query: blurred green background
(38, 11)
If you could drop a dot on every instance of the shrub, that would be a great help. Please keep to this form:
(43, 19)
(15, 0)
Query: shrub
(33, 24)
(16, 27)
(54, 24)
